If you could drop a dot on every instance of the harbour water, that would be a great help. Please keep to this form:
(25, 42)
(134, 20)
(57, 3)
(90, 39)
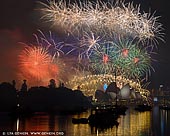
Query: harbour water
(134, 123)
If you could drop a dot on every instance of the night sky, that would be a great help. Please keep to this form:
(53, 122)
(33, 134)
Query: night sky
(19, 19)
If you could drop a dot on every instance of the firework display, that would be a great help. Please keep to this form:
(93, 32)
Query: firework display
(104, 42)
(132, 61)
(124, 57)
(103, 18)
(50, 43)
(101, 58)
(37, 64)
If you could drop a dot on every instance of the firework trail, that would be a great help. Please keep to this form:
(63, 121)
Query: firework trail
(48, 57)
(49, 42)
(103, 19)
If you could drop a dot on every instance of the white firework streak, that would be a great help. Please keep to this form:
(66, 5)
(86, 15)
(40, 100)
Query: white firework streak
(121, 18)
(87, 43)
(43, 40)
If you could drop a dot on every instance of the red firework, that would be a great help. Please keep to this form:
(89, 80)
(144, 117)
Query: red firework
(105, 58)
(136, 60)
(36, 64)
(125, 53)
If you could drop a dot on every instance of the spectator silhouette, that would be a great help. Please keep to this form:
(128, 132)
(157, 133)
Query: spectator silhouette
(62, 85)
(52, 83)
(24, 85)
(13, 83)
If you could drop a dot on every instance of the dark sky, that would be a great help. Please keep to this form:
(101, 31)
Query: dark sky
(19, 20)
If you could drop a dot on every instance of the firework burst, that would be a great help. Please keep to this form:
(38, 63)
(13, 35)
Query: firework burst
(103, 19)
(101, 58)
(37, 65)
(49, 42)
(131, 61)
(124, 57)
(111, 39)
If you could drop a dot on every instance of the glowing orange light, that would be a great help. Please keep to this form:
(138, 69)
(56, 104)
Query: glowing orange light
(105, 58)
(37, 64)
(125, 52)
(136, 60)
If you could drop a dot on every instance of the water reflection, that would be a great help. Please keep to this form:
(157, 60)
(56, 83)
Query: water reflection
(135, 124)
(161, 122)
(154, 123)
(7, 122)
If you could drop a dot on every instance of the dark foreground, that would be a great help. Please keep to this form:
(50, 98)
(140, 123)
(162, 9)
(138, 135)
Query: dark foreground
(135, 123)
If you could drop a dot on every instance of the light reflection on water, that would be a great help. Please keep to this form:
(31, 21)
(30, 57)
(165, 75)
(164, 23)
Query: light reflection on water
(154, 123)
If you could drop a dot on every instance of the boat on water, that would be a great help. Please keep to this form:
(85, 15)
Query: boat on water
(104, 116)
(143, 107)
(99, 118)
(114, 108)
(164, 107)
